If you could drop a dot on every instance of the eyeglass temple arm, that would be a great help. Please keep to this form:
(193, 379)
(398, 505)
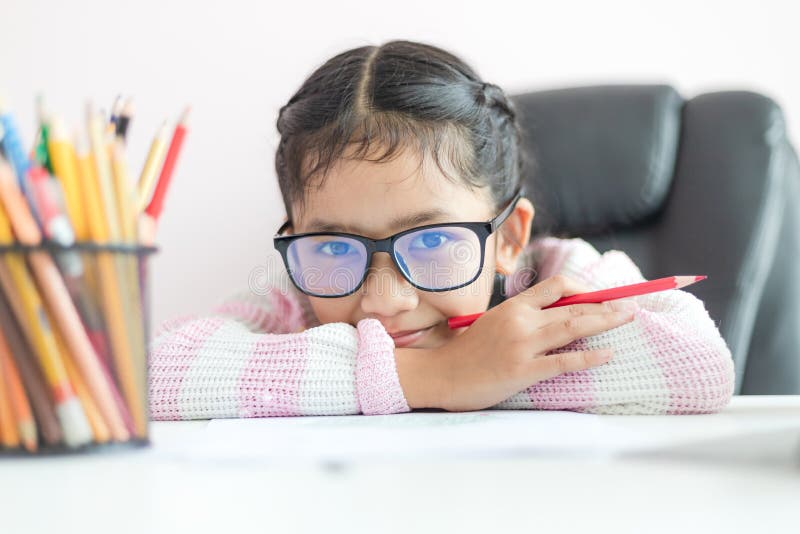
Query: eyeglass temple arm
(503, 215)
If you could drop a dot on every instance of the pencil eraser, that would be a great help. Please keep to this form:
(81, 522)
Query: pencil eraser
(73, 421)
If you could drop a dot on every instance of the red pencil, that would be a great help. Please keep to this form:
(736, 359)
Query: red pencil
(652, 286)
(149, 219)
(157, 200)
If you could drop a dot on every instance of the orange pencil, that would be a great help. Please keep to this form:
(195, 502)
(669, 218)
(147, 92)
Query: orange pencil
(9, 433)
(19, 400)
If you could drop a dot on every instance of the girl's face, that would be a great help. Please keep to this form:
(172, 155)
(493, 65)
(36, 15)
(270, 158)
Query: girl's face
(365, 198)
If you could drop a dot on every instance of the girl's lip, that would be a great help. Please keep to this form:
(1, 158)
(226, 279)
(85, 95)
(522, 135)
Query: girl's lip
(401, 339)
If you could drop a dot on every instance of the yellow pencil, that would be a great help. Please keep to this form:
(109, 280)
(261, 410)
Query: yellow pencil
(90, 192)
(123, 191)
(103, 173)
(129, 279)
(65, 167)
(158, 149)
(93, 212)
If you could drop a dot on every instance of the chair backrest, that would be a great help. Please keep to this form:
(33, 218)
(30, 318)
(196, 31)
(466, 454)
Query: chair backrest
(709, 185)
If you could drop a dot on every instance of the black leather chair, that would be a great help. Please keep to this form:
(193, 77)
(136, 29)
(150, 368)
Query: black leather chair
(709, 185)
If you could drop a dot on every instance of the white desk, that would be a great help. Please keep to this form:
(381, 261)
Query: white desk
(716, 487)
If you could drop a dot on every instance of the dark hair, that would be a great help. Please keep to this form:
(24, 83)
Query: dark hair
(395, 95)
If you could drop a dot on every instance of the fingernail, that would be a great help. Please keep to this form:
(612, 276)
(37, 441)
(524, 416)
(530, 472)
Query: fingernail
(625, 305)
(604, 355)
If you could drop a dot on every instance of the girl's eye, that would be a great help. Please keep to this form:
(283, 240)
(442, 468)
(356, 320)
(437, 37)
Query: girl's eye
(429, 241)
(335, 248)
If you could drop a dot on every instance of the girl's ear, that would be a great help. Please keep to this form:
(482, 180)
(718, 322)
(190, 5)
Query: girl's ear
(513, 236)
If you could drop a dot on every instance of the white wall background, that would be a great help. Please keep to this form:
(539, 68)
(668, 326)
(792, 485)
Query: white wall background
(238, 62)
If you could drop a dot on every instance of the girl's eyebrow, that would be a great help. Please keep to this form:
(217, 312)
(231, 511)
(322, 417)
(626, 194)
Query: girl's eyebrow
(398, 223)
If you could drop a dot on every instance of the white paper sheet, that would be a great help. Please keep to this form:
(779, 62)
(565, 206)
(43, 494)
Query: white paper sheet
(472, 434)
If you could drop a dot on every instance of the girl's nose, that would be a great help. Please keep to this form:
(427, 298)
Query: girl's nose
(385, 292)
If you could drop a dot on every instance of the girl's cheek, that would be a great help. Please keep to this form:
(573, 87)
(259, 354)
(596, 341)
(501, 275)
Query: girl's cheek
(330, 310)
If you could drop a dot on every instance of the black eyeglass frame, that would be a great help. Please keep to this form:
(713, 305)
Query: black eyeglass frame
(483, 229)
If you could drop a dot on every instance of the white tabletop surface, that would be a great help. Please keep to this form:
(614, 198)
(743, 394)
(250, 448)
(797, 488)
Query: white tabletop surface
(735, 481)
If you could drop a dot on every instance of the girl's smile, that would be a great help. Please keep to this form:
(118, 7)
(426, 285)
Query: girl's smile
(408, 337)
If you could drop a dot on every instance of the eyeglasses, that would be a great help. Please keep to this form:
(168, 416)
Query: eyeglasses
(433, 257)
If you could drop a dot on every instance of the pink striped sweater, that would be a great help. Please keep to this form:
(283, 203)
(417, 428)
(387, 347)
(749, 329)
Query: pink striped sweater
(263, 353)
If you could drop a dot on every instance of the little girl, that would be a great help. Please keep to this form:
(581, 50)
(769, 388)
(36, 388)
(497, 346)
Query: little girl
(400, 171)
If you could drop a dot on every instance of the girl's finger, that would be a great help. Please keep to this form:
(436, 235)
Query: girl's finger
(560, 333)
(562, 313)
(552, 365)
(550, 290)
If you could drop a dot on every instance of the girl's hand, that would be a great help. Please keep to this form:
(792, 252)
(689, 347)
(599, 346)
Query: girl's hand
(503, 351)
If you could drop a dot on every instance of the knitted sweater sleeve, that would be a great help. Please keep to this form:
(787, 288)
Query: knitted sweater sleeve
(671, 359)
(253, 356)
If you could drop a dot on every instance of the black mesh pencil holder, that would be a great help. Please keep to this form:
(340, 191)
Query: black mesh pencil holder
(75, 324)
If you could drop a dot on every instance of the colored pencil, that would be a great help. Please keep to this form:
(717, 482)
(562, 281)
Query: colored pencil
(155, 158)
(114, 286)
(149, 219)
(113, 118)
(35, 385)
(9, 431)
(19, 400)
(128, 285)
(123, 192)
(103, 172)
(58, 229)
(39, 153)
(15, 152)
(68, 410)
(72, 326)
(641, 288)
(57, 296)
(100, 429)
(124, 120)
(65, 169)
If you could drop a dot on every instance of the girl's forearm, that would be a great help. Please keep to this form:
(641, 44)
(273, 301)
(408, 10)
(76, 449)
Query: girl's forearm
(419, 377)
(215, 366)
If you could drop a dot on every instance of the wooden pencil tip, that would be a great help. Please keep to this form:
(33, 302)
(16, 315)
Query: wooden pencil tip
(27, 433)
(81, 142)
(184, 119)
(41, 108)
(700, 277)
(58, 128)
(127, 109)
(683, 281)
